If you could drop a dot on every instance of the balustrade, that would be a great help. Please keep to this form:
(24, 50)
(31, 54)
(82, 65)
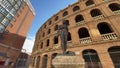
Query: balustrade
(98, 17)
(85, 40)
(116, 12)
(109, 36)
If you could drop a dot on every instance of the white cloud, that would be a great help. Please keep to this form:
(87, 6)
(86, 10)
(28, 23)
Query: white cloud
(29, 43)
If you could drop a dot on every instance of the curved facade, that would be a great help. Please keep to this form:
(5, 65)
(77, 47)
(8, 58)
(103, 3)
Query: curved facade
(94, 35)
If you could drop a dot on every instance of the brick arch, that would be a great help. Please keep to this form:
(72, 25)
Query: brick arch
(104, 25)
(79, 18)
(95, 12)
(65, 13)
(38, 62)
(69, 38)
(89, 2)
(112, 47)
(91, 58)
(114, 6)
(114, 53)
(107, 5)
(85, 31)
(56, 39)
(76, 8)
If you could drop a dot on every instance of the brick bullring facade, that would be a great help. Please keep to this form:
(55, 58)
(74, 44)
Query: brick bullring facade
(94, 35)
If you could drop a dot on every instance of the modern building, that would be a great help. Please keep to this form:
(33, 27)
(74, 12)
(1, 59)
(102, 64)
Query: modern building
(94, 35)
(15, 20)
(22, 61)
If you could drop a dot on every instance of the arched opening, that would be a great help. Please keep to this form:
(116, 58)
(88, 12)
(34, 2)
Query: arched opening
(56, 27)
(91, 59)
(48, 41)
(89, 2)
(114, 6)
(69, 37)
(44, 26)
(76, 8)
(83, 33)
(65, 13)
(56, 18)
(37, 48)
(49, 31)
(38, 62)
(55, 40)
(104, 28)
(43, 34)
(45, 58)
(95, 12)
(41, 45)
(67, 22)
(79, 18)
(50, 22)
(114, 53)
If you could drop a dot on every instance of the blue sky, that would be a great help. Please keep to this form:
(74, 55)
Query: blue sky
(44, 9)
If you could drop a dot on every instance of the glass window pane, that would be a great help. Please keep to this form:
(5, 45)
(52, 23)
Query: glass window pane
(16, 7)
(1, 17)
(9, 16)
(3, 11)
(5, 22)
(2, 28)
(6, 4)
(13, 11)
(12, 2)
(19, 3)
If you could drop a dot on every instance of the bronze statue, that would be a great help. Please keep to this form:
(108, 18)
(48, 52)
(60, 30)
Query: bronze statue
(63, 33)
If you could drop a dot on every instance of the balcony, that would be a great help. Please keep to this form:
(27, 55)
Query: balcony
(55, 46)
(109, 36)
(98, 17)
(90, 5)
(85, 40)
(116, 12)
(69, 43)
(80, 23)
(47, 49)
(106, 0)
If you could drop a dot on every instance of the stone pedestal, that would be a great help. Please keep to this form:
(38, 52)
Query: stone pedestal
(67, 62)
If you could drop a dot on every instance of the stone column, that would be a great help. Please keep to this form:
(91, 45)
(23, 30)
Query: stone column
(49, 64)
(105, 59)
(94, 32)
(51, 42)
(75, 36)
(41, 61)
